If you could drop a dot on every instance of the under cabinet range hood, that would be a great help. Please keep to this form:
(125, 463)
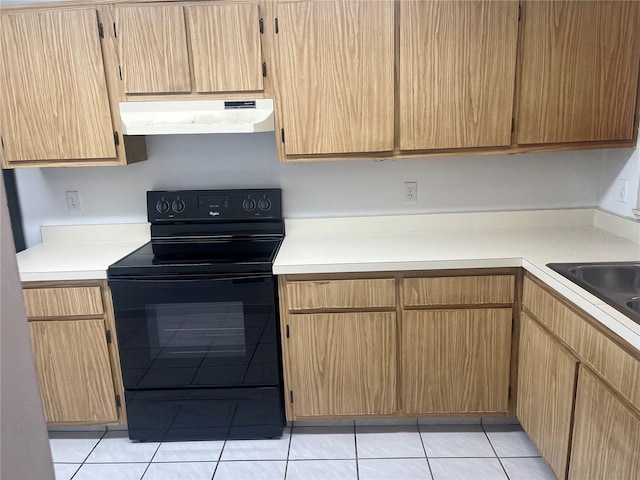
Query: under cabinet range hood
(206, 116)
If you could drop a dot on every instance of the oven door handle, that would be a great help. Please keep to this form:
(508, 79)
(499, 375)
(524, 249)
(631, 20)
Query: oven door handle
(192, 278)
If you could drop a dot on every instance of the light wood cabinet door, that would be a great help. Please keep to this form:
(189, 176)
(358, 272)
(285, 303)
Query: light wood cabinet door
(153, 49)
(546, 387)
(602, 353)
(457, 73)
(342, 363)
(225, 42)
(336, 76)
(606, 434)
(579, 71)
(54, 100)
(456, 361)
(74, 371)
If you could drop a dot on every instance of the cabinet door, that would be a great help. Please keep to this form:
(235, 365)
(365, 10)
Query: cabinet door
(153, 49)
(54, 93)
(456, 361)
(546, 387)
(225, 41)
(606, 434)
(336, 76)
(73, 367)
(457, 73)
(579, 71)
(342, 363)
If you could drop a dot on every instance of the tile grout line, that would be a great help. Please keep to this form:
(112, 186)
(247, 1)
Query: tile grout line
(355, 440)
(224, 444)
(425, 450)
(89, 454)
(286, 464)
(150, 460)
(494, 451)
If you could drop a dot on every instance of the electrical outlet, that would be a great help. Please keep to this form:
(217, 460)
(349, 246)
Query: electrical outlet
(73, 202)
(411, 192)
(621, 193)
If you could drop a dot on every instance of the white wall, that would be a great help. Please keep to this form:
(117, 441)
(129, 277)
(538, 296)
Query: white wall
(445, 184)
(619, 164)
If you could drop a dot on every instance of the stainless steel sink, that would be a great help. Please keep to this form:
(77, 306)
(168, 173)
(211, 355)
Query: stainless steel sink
(634, 304)
(616, 283)
(615, 277)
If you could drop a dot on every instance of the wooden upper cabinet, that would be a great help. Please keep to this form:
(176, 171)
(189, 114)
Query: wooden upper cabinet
(457, 72)
(225, 42)
(153, 49)
(579, 71)
(54, 99)
(336, 76)
(197, 48)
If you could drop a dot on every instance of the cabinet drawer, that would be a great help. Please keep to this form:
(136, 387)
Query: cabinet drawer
(472, 290)
(335, 294)
(61, 302)
(619, 367)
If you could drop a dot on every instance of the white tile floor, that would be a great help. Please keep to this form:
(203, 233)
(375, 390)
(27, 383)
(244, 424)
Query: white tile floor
(345, 451)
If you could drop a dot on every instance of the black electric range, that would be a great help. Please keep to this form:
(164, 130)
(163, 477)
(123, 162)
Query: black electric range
(196, 313)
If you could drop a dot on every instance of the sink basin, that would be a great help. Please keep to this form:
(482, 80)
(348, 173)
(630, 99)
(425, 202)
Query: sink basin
(634, 304)
(616, 283)
(613, 277)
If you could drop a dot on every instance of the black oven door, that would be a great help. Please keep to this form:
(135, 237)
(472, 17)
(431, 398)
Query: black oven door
(197, 331)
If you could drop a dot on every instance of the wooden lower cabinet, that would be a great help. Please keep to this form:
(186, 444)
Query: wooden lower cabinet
(399, 345)
(72, 332)
(74, 371)
(578, 392)
(546, 389)
(342, 363)
(456, 361)
(606, 434)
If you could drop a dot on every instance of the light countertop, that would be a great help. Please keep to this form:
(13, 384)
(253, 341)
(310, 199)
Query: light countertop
(429, 242)
(79, 252)
(529, 239)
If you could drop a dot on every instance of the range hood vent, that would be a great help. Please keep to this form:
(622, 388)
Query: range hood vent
(207, 116)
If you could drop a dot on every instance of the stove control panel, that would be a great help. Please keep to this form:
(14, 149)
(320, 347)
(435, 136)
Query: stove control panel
(164, 206)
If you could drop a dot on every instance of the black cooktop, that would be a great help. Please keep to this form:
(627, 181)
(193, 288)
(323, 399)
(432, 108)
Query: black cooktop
(237, 256)
(208, 232)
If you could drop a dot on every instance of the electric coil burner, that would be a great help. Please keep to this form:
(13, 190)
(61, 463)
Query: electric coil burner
(196, 314)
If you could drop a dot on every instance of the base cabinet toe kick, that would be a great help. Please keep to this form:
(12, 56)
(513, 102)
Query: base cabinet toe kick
(464, 343)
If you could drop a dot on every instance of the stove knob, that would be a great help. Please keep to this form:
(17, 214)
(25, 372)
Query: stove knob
(178, 206)
(249, 204)
(264, 204)
(162, 206)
